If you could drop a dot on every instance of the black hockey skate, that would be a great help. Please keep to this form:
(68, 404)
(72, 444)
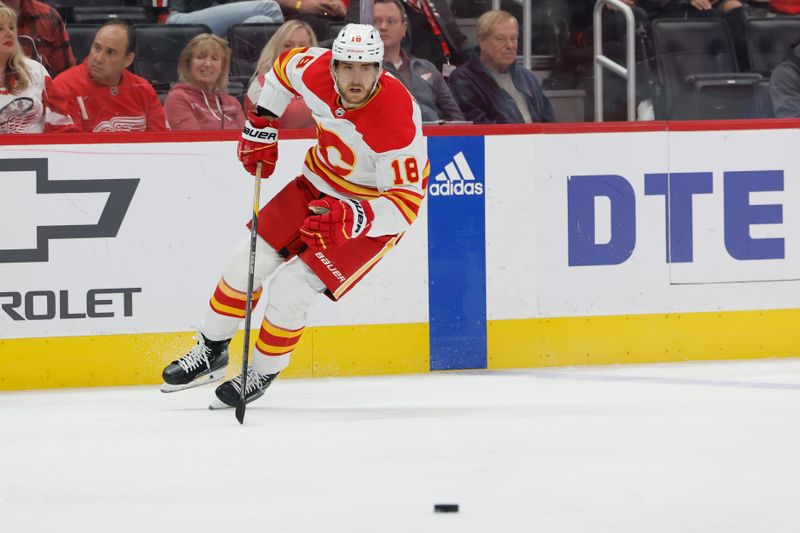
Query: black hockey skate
(229, 393)
(205, 363)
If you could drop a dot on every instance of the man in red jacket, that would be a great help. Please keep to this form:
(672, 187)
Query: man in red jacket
(103, 95)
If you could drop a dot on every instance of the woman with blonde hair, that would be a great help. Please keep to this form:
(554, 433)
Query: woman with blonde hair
(28, 101)
(292, 34)
(200, 101)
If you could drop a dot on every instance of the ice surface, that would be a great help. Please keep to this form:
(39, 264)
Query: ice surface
(696, 447)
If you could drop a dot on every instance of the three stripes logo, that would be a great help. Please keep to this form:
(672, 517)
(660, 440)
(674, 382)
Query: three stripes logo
(456, 179)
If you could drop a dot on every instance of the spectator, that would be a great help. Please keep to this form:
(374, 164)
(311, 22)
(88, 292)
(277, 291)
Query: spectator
(489, 87)
(432, 31)
(28, 102)
(200, 100)
(220, 15)
(103, 95)
(43, 34)
(328, 9)
(419, 76)
(784, 87)
(292, 34)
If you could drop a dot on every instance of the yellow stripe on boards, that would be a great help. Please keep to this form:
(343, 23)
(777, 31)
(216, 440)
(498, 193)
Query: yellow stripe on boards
(642, 338)
(370, 350)
(113, 360)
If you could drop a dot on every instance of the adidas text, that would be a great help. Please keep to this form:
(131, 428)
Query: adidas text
(458, 188)
(456, 179)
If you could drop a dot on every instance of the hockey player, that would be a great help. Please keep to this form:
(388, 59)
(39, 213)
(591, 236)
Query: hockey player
(361, 187)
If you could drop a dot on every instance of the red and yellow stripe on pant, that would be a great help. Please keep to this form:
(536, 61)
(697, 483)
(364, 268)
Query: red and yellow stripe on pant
(228, 301)
(273, 340)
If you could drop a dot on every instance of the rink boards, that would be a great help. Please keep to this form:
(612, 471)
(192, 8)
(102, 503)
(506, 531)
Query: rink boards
(537, 246)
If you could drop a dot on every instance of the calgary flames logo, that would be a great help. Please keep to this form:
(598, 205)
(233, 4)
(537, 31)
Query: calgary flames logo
(335, 152)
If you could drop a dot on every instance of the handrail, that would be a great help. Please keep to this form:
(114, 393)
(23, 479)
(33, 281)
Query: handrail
(601, 61)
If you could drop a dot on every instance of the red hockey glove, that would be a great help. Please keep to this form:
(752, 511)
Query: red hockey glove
(259, 144)
(336, 222)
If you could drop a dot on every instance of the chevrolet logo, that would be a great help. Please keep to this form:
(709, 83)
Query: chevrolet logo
(120, 194)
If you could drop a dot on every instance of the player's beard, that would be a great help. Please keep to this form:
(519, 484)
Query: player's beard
(353, 99)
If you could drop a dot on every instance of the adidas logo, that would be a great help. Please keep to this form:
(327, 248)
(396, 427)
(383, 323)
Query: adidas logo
(457, 179)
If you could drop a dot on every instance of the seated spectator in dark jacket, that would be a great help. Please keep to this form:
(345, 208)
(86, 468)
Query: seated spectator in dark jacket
(418, 75)
(201, 101)
(43, 35)
(103, 95)
(784, 87)
(489, 87)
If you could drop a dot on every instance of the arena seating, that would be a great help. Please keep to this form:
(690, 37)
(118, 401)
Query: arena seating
(698, 71)
(247, 41)
(158, 48)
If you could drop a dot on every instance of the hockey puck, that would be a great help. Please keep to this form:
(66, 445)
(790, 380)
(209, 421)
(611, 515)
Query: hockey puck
(445, 508)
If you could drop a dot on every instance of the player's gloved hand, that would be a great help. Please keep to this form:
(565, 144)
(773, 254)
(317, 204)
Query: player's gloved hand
(259, 144)
(335, 222)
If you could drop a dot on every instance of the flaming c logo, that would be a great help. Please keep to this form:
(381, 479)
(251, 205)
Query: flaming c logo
(335, 152)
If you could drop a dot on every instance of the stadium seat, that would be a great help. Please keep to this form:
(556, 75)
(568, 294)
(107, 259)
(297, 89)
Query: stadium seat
(764, 107)
(81, 37)
(698, 71)
(247, 41)
(769, 40)
(333, 29)
(99, 15)
(66, 7)
(158, 48)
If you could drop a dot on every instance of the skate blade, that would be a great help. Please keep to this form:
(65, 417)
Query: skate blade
(217, 405)
(213, 377)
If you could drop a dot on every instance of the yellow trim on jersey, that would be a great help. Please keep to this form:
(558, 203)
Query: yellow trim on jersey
(279, 68)
(406, 195)
(409, 214)
(315, 165)
(365, 267)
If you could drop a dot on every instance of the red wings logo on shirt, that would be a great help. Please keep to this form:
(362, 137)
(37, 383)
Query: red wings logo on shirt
(336, 154)
(122, 124)
(17, 115)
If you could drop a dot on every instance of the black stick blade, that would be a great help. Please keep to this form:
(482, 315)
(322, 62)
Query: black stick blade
(240, 412)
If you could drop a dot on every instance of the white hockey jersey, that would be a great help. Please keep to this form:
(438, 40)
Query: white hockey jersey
(35, 109)
(374, 152)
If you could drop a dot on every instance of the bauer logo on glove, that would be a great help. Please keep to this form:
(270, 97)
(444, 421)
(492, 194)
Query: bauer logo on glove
(259, 144)
(256, 135)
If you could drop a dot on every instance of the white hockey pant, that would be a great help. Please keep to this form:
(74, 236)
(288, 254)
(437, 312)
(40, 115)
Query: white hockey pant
(289, 294)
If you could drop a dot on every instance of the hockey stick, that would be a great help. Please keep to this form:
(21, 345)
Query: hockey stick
(249, 306)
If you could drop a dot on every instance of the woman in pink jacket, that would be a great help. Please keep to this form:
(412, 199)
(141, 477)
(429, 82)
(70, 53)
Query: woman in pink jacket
(201, 101)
